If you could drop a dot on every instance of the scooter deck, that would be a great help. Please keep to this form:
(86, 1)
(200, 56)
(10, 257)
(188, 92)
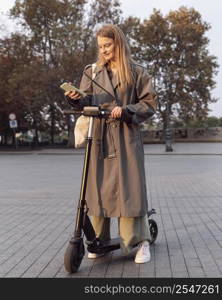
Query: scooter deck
(104, 246)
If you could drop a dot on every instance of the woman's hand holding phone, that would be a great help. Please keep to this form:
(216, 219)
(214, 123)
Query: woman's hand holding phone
(74, 95)
(71, 91)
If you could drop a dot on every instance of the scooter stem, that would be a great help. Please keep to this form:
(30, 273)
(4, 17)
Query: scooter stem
(81, 204)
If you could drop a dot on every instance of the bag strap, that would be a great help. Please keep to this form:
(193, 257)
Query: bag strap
(93, 70)
(118, 103)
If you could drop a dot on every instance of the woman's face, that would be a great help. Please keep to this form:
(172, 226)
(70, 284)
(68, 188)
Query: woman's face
(106, 48)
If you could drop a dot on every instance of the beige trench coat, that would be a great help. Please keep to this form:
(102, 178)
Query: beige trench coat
(116, 184)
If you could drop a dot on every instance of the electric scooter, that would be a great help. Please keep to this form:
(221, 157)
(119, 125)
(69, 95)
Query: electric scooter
(83, 227)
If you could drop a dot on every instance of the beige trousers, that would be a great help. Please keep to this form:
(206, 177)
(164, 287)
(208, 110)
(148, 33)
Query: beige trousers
(131, 230)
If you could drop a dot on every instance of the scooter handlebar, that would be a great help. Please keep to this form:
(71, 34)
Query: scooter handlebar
(90, 111)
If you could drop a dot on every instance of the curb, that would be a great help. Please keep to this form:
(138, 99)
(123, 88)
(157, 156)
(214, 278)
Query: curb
(82, 153)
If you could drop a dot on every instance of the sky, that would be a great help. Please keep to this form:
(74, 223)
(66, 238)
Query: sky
(211, 12)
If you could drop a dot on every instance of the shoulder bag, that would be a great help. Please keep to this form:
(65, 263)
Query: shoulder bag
(82, 124)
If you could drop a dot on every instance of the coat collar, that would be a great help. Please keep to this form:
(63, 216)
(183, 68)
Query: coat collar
(102, 78)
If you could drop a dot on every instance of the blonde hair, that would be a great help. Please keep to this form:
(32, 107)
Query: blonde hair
(122, 53)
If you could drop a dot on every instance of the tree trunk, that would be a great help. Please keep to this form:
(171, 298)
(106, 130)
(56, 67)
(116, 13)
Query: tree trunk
(71, 137)
(52, 129)
(5, 139)
(36, 137)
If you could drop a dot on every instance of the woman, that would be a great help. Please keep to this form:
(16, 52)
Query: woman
(116, 181)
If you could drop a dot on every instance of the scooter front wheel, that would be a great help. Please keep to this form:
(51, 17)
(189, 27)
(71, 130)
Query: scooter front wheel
(74, 255)
(153, 230)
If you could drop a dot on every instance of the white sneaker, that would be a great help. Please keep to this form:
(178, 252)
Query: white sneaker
(94, 255)
(143, 253)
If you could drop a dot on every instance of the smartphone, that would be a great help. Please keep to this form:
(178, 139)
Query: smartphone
(69, 88)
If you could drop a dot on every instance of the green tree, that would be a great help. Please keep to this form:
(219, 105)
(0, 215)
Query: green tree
(220, 122)
(175, 50)
(50, 24)
(15, 81)
(61, 32)
(212, 122)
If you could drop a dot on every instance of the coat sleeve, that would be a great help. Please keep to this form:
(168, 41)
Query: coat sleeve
(85, 86)
(145, 102)
(86, 83)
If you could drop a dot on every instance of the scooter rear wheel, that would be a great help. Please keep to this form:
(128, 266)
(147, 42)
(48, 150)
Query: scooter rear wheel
(74, 255)
(153, 230)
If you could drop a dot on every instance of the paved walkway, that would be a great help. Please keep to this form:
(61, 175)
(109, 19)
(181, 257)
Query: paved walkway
(38, 195)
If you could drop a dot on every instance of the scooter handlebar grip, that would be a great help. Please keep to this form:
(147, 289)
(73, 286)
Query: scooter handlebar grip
(72, 112)
(88, 111)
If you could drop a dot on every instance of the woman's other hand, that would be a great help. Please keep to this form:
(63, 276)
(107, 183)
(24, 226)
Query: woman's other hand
(116, 112)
